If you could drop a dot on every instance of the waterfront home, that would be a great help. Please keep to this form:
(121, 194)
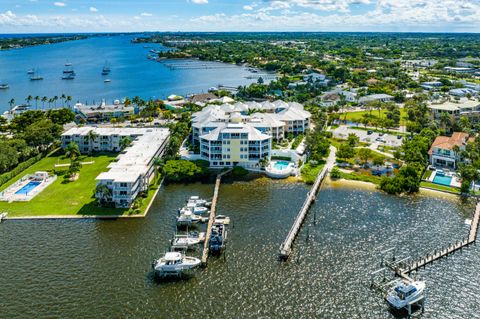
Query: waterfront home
(133, 170)
(235, 143)
(375, 97)
(333, 97)
(463, 92)
(431, 85)
(316, 79)
(202, 98)
(463, 107)
(459, 70)
(103, 112)
(276, 119)
(445, 150)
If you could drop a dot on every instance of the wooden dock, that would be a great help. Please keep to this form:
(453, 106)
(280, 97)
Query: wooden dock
(405, 270)
(286, 247)
(213, 213)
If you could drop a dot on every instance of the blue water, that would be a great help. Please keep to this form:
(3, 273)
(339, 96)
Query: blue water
(132, 73)
(25, 190)
(442, 180)
(281, 165)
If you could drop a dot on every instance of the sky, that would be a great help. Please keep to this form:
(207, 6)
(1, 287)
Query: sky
(40, 16)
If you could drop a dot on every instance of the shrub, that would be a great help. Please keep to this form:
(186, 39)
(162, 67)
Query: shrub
(335, 173)
(239, 171)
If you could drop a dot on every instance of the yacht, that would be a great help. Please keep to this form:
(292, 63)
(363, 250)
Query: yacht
(4, 86)
(187, 218)
(106, 69)
(196, 209)
(404, 294)
(30, 71)
(218, 238)
(69, 70)
(36, 77)
(70, 76)
(174, 264)
(107, 81)
(68, 64)
(187, 241)
(222, 219)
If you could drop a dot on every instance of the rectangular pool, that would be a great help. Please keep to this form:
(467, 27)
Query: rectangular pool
(442, 179)
(26, 189)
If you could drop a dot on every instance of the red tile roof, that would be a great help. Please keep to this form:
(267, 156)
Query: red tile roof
(447, 143)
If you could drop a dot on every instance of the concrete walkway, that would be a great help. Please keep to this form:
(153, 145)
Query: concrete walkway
(332, 158)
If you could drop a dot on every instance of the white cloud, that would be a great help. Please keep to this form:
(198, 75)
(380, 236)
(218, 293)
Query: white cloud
(247, 8)
(146, 14)
(59, 4)
(200, 1)
(93, 9)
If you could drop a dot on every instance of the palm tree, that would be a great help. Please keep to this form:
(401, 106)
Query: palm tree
(63, 97)
(36, 98)
(74, 168)
(91, 137)
(127, 102)
(103, 193)
(125, 142)
(44, 99)
(29, 99)
(50, 101)
(69, 98)
(55, 98)
(11, 103)
(72, 151)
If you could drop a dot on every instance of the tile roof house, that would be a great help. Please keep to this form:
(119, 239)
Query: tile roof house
(443, 152)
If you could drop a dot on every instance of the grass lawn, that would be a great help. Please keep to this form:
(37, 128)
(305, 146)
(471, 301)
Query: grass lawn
(440, 187)
(361, 177)
(357, 116)
(310, 173)
(64, 197)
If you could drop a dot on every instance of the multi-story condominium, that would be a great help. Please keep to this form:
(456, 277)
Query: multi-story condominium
(133, 170)
(445, 150)
(241, 133)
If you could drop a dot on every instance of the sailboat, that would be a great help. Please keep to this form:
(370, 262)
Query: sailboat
(68, 69)
(35, 76)
(30, 71)
(4, 86)
(106, 69)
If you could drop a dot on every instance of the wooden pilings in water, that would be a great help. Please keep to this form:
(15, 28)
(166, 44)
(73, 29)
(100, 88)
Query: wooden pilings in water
(286, 247)
(213, 213)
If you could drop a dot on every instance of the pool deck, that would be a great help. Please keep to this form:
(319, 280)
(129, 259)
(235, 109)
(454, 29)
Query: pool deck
(455, 182)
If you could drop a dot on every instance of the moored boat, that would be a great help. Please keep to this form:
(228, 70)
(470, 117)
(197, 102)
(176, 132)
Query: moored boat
(218, 238)
(198, 201)
(187, 218)
(107, 81)
(106, 69)
(3, 216)
(4, 86)
(174, 264)
(70, 76)
(404, 294)
(187, 241)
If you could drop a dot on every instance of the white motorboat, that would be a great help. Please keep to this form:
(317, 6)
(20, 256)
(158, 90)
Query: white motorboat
(4, 86)
(187, 241)
(174, 264)
(222, 219)
(107, 81)
(3, 216)
(197, 201)
(196, 209)
(404, 294)
(187, 218)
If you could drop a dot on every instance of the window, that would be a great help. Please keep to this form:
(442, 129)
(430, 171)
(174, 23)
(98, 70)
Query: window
(123, 184)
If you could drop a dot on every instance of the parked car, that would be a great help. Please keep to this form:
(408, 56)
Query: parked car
(381, 134)
(369, 132)
(399, 137)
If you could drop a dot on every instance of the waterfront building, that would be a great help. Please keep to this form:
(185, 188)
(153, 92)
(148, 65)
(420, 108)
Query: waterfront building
(459, 70)
(241, 133)
(103, 112)
(463, 107)
(133, 170)
(445, 150)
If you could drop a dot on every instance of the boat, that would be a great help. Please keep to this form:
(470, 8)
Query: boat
(30, 71)
(70, 76)
(106, 69)
(4, 86)
(187, 218)
(198, 201)
(202, 210)
(174, 264)
(107, 81)
(404, 294)
(222, 219)
(68, 64)
(218, 238)
(3, 216)
(36, 77)
(187, 241)
(69, 70)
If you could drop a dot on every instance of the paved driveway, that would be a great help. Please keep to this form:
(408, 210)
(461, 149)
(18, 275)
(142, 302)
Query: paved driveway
(387, 139)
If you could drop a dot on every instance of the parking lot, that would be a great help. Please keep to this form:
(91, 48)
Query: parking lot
(382, 139)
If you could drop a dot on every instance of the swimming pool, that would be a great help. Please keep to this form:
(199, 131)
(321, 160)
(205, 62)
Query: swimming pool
(26, 189)
(442, 179)
(281, 165)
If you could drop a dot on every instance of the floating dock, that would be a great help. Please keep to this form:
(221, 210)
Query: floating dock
(213, 213)
(286, 247)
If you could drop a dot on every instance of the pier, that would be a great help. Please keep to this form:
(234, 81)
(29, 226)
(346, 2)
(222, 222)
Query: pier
(213, 213)
(404, 270)
(286, 247)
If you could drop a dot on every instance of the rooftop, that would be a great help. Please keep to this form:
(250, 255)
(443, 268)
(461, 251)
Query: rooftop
(447, 143)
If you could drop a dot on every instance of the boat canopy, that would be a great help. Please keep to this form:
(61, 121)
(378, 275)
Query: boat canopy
(173, 256)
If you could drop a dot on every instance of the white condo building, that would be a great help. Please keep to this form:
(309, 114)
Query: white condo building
(242, 133)
(133, 170)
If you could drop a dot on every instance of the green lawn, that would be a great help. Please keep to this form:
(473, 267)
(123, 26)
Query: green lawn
(67, 198)
(440, 187)
(357, 116)
(354, 176)
(310, 173)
